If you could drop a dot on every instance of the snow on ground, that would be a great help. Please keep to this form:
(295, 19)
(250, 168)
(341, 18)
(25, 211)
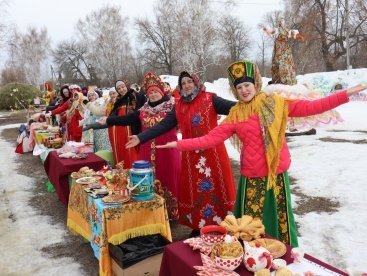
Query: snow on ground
(337, 171)
(23, 232)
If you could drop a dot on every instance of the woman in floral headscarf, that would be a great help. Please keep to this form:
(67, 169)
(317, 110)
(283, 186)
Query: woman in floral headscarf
(206, 191)
(260, 121)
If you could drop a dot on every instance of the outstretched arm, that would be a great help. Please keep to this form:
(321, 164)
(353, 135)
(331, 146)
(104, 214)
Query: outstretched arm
(169, 145)
(222, 106)
(303, 108)
(356, 89)
(61, 108)
(95, 126)
(168, 122)
(127, 120)
(216, 136)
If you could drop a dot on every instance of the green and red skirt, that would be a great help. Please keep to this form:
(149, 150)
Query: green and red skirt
(272, 206)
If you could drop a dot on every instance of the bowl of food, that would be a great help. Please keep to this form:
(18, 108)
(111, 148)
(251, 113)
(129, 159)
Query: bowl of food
(228, 255)
(211, 234)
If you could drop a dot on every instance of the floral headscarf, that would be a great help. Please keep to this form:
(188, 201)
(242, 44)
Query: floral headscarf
(198, 84)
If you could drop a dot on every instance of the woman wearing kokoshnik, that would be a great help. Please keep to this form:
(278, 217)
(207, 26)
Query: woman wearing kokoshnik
(259, 120)
(166, 163)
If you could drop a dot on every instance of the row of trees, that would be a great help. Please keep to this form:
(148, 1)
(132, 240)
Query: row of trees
(186, 35)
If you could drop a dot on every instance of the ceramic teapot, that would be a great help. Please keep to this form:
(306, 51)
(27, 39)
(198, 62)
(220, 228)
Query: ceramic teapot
(257, 257)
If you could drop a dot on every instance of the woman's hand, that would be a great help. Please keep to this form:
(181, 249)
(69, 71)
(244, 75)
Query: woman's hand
(134, 141)
(355, 89)
(169, 145)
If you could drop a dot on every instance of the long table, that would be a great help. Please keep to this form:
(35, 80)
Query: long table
(58, 169)
(102, 224)
(180, 259)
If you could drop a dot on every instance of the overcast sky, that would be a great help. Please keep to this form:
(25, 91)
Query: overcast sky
(60, 16)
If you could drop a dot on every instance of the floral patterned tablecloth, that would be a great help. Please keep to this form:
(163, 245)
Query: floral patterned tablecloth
(102, 224)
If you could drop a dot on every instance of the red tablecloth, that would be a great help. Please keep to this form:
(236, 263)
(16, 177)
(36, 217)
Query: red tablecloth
(58, 169)
(179, 259)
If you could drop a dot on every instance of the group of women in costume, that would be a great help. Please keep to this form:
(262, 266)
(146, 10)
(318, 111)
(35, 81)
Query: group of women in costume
(206, 191)
(198, 182)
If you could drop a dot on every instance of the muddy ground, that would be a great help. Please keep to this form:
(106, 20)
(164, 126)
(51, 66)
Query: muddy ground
(74, 246)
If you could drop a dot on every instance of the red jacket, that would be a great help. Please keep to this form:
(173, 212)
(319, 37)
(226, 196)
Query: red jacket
(60, 109)
(253, 159)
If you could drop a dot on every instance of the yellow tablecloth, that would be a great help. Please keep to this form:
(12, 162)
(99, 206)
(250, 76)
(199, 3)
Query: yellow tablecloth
(117, 223)
(78, 213)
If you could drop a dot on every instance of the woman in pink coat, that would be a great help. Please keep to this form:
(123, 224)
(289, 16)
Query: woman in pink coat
(259, 120)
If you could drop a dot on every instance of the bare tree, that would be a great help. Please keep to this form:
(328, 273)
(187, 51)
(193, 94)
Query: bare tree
(12, 75)
(197, 36)
(28, 52)
(234, 35)
(104, 31)
(263, 60)
(4, 28)
(324, 21)
(358, 52)
(71, 58)
(160, 37)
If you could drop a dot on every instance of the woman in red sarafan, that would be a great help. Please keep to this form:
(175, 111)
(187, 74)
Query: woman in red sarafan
(125, 104)
(207, 190)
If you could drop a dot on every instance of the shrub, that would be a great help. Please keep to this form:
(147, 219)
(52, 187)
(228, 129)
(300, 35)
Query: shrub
(15, 96)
